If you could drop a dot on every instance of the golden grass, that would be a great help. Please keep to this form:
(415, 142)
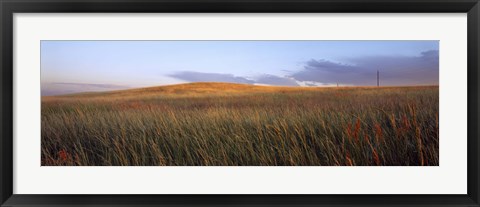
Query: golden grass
(225, 124)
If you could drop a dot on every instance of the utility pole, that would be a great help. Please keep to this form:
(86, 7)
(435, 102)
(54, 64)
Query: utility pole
(378, 78)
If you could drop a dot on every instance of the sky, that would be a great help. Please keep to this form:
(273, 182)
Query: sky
(82, 66)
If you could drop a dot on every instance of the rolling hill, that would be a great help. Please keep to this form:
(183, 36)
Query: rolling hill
(209, 88)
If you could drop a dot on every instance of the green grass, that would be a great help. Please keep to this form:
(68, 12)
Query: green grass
(219, 124)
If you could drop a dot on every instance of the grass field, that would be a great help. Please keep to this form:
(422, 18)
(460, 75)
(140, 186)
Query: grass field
(224, 124)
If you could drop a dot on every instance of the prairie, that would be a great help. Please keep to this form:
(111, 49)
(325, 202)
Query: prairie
(224, 124)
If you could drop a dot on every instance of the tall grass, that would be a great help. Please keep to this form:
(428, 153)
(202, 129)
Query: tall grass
(345, 126)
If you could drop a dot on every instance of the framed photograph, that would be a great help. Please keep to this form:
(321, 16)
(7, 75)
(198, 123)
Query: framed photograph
(239, 103)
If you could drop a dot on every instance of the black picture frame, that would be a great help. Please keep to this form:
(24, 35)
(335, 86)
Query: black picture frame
(9, 7)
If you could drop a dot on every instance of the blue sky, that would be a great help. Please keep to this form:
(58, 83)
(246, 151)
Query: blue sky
(80, 66)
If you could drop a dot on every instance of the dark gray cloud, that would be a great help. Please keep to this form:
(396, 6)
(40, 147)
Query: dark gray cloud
(210, 77)
(276, 80)
(394, 70)
(267, 79)
(325, 71)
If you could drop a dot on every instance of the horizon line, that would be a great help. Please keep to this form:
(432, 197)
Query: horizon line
(233, 83)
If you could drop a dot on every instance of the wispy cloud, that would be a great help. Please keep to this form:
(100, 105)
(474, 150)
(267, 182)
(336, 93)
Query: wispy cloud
(61, 88)
(93, 85)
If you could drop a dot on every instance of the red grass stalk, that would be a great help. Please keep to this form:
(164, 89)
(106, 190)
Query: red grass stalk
(63, 155)
(376, 158)
(349, 130)
(366, 137)
(357, 130)
(378, 133)
(348, 160)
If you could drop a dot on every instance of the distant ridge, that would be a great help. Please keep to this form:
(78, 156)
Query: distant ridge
(190, 89)
(202, 88)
